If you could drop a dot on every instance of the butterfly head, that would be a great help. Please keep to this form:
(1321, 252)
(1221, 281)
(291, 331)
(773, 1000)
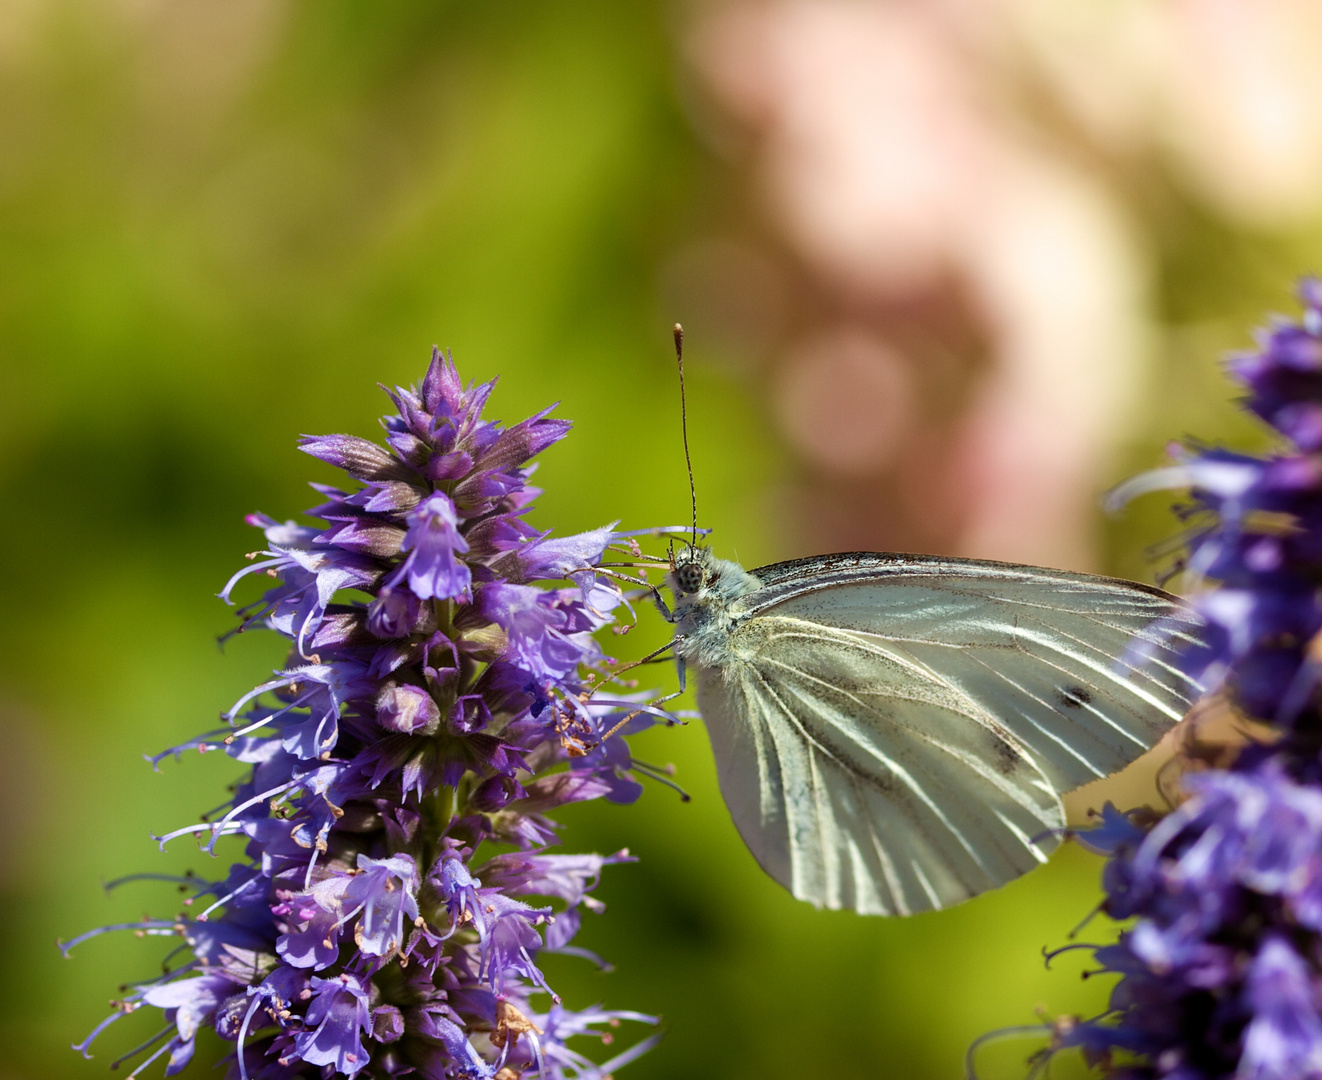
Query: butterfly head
(690, 571)
(702, 583)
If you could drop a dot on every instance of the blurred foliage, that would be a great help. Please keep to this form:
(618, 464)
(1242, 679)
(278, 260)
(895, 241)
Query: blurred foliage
(220, 224)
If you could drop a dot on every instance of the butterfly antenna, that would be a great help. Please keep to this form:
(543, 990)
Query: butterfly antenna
(684, 428)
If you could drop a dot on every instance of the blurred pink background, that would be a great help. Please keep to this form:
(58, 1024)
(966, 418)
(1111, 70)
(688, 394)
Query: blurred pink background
(943, 262)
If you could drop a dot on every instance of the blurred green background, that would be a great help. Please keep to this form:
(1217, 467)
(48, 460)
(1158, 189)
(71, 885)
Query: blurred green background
(218, 229)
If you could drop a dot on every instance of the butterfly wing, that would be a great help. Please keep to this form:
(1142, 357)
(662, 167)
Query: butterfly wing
(892, 732)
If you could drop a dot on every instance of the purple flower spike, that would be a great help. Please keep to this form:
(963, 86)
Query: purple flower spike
(435, 701)
(1220, 969)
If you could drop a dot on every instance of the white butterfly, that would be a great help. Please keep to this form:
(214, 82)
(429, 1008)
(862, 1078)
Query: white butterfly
(893, 732)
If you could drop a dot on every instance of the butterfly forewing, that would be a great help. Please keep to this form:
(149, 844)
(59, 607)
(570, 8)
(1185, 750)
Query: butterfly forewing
(891, 732)
(1041, 650)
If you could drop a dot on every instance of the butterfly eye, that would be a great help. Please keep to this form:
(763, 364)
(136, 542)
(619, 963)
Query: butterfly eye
(688, 577)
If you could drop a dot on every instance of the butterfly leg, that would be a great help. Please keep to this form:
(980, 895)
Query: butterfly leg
(662, 607)
(601, 678)
(653, 706)
(679, 667)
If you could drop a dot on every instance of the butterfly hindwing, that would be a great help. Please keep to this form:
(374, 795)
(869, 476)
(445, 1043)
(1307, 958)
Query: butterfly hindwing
(858, 782)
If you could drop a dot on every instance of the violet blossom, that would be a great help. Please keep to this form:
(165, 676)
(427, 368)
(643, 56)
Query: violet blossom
(437, 698)
(1219, 955)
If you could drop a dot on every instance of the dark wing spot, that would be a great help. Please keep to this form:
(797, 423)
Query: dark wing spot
(1005, 755)
(882, 781)
(1074, 697)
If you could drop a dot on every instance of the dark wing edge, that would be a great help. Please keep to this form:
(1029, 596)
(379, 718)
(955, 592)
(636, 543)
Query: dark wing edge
(784, 580)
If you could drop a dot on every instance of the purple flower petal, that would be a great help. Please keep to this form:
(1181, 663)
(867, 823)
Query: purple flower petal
(433, 569)
(361, 459)
(336, 1020)
(384, 893)
(1284, 1038)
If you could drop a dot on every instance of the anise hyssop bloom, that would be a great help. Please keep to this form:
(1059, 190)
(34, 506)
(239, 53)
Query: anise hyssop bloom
(437, 702)
(1220, 969)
